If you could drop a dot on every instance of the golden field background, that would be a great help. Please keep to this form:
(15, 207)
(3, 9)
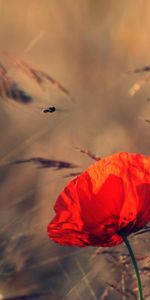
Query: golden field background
(91, 47)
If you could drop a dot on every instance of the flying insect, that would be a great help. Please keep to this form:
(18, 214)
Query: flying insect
(50, 109)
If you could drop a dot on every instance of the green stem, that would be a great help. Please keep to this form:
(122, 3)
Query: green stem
(135, 266)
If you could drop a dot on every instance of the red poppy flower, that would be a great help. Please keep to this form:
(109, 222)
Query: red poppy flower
(111, 198)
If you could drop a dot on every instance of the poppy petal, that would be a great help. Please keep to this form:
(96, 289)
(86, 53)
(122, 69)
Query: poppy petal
(94, 209)
(110, 198)
(67, 227)
(143, 216)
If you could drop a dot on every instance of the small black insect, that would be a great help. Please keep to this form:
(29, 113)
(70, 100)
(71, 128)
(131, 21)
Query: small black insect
(50, 109)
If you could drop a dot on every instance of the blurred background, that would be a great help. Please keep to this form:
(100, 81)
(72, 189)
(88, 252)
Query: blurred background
(93, 49)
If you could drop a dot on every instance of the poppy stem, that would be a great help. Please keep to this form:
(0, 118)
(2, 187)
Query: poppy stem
(135, 266)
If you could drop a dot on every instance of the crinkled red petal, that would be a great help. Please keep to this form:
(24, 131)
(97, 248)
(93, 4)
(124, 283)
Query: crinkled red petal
(111, 197)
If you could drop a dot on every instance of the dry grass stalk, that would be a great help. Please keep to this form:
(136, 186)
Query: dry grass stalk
(127, 292)
(10, 89)
(42, 162)
(40, 77)
(88, 153)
